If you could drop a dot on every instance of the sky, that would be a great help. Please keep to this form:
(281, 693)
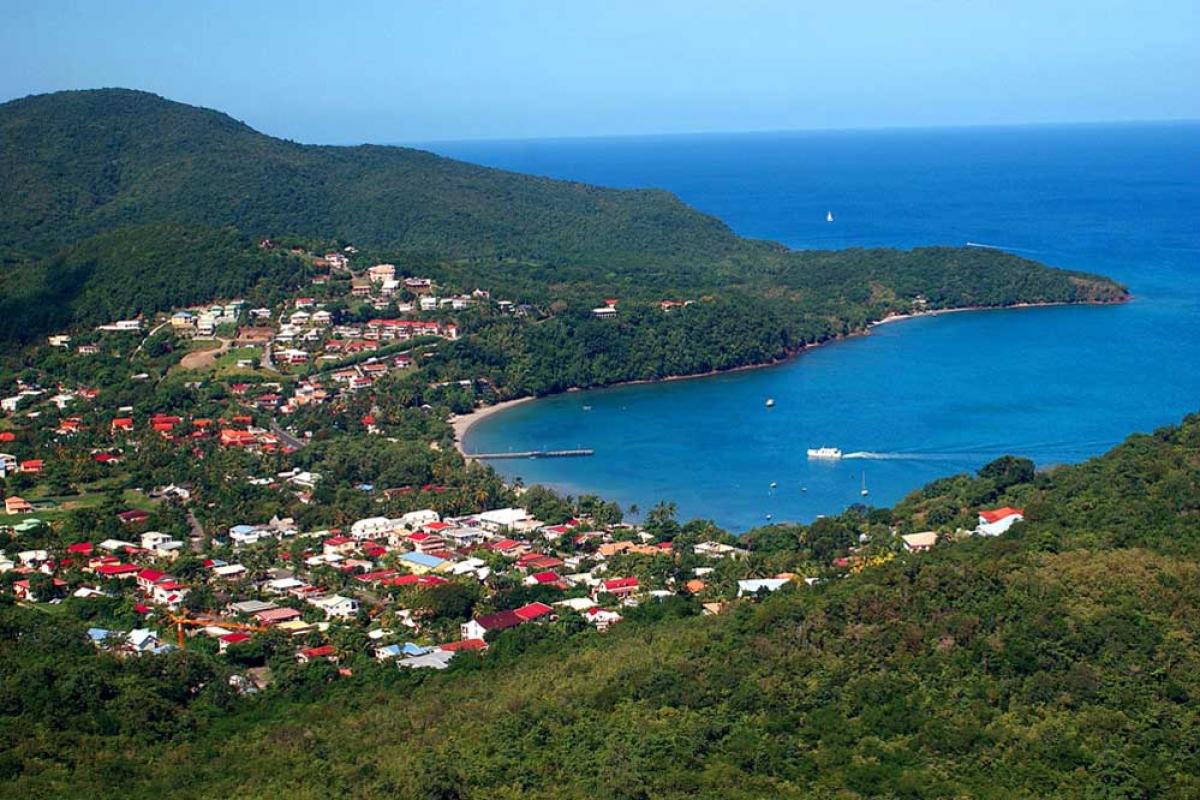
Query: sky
(396, 71)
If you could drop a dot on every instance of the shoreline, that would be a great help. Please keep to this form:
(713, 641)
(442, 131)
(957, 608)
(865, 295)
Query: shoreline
(464, 422)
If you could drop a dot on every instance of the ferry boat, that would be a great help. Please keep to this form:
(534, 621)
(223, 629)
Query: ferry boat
(824, 452)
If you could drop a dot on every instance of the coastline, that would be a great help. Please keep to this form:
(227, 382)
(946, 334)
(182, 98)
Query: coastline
(464, 422)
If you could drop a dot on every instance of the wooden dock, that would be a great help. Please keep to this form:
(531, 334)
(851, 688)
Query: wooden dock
(535, 454)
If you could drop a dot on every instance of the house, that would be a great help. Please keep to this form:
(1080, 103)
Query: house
(274, 616)
(437, 659)
(134, 516)
(32, 466)
(144, 640)
(479, 627)
(17, 505)
(339, 545)
(118, 571)
(919, 542)
(602, 618)
(617, 587)
(249, 607)
(548, 578)
(533, 611)
(21, 589)
(229, 639)
(751, 588)
(998, 521)
(310, 654)
(422, 563)
(8, 463)
(336, 606)
(501, 519)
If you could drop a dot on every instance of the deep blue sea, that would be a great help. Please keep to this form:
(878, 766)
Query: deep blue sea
(929, 397)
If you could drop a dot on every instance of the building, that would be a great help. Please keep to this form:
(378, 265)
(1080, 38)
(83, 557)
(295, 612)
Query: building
(919, 542)
(998, 521)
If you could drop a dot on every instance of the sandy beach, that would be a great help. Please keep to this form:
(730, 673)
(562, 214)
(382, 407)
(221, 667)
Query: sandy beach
(463, 422)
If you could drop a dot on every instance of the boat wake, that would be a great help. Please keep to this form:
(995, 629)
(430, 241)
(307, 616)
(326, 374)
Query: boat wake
(869, 455)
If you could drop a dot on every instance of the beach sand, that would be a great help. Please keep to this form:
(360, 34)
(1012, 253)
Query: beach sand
(464, 422)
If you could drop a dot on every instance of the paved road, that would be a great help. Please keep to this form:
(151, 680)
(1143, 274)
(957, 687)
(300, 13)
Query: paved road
(287, 438)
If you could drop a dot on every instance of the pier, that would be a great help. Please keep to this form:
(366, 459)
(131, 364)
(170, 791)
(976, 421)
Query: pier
(535, 454)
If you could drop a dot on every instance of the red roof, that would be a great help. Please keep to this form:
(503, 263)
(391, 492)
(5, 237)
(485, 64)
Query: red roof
(235, 637)
(415, 580)
(152, 575)
(317, 652)
(1000, 513)
(620, 583)
(545, 577)
(499, 621)
(83, 548)
(117, 569)
(464, 644)
(532, 611)
(437, 526)
(336, 541)
(272, 615)
(7, 436)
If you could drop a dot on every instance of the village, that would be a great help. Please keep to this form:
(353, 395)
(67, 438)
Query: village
(434, 570)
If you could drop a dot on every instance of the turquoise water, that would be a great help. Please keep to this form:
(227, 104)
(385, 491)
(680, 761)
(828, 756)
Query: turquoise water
(924, 398)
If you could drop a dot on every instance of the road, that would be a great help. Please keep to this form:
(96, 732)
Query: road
(288, 439)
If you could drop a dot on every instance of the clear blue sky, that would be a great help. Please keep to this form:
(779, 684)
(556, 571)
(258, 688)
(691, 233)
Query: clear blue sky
(392, 71)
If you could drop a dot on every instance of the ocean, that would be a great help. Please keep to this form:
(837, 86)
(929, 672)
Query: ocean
(914, 400)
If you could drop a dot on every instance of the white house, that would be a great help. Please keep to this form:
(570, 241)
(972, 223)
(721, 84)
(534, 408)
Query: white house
(997, 521)
(372, 527)
(336, 605)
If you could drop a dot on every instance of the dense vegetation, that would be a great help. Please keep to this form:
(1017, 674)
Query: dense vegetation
(1059, 660)
(118, 202)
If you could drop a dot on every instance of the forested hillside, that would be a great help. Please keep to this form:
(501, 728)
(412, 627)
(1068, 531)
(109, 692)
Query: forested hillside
(118, 203)
(1058, 660)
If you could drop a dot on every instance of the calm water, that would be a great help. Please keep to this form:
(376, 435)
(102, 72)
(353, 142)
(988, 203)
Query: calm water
(928, 397)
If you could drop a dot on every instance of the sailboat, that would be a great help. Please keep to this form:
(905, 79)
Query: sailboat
(864, 491)
(829, 216)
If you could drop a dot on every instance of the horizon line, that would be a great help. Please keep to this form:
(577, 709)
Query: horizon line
(819, 129)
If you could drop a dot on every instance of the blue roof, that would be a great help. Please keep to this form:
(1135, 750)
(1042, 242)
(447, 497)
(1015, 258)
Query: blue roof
(241, 529)
(391, 650)
(98, 634)
(411, 649)
(424, 559)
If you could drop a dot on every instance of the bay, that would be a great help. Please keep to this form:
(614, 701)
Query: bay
(923, 398)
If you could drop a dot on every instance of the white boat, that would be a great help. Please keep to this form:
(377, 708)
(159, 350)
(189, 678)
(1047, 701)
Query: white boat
(829, 216)
(770, 402)
(824, 452)
(864, 491)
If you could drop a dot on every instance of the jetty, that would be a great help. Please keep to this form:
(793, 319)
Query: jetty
(535, 454)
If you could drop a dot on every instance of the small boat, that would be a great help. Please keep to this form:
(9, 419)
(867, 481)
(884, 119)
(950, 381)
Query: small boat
(864, 491)
(770, 402)
(824, 452)
(587, 408)
(774, 484)
(829, 216)
(768, 516)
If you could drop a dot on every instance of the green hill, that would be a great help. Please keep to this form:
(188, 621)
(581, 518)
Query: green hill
(74, 164)
(118, 202)
(1059, 660)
